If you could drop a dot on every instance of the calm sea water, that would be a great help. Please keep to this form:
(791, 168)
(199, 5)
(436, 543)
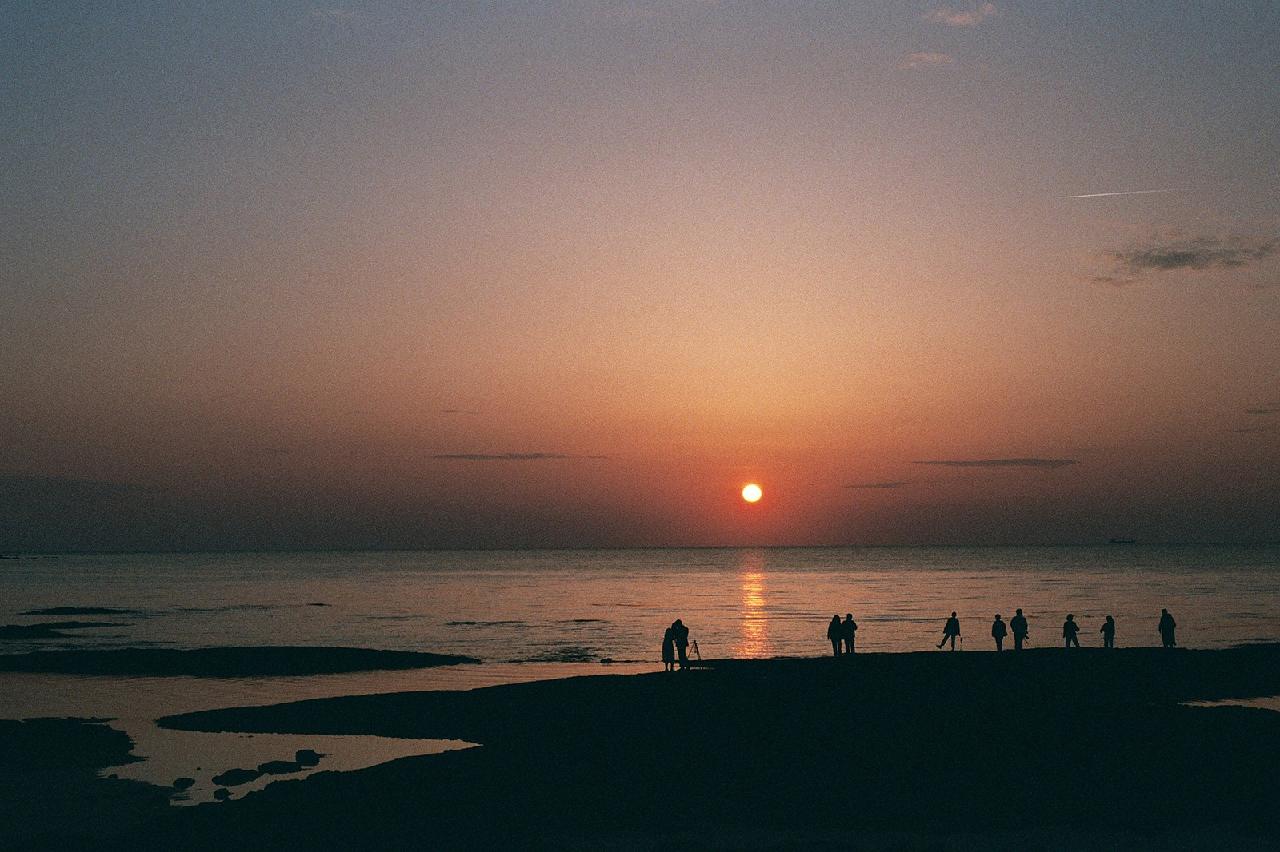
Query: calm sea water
(534, 615)
(585, 606)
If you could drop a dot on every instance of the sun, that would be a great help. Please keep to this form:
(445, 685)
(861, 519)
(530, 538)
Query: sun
(752, 492)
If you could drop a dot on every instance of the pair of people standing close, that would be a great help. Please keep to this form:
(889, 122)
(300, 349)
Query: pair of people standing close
(999, 630)
(842, 634)
(675, 645)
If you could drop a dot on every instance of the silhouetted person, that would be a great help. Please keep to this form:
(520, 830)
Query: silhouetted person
(950, 630)
(835, 633)
(669, 650)
(848, 632)
(681, 635)
(1069, 631)
(1109, 633)
(1018, 624)
(998, 632)
(1167, 626)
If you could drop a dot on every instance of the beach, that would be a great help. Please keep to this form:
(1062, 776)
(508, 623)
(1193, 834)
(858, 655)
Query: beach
(1039, 749)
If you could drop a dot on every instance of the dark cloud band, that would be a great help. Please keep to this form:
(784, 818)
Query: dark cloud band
(897, 483)
(1198, 253)
(509, 456)
(1025, 462)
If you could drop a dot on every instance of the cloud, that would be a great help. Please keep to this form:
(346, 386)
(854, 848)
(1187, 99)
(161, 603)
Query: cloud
(1270, 409)
(970, 17)
(1195, 253)
(333, 13)
(1027, 462)
(1252, 430)
(458, 411)
(927, 59)
(509, 456)
(897, 483)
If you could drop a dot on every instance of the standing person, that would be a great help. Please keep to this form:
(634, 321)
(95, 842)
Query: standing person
(1109, 633)
(998, 631)
(950, 630)
(1019, 626)
(1166, 627)
(848, 632)
(681, 635)
(834, 633)
(1069, 631)
(669, 650)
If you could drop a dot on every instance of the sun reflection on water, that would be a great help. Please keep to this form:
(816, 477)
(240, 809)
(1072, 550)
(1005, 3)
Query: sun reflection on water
(753, 640)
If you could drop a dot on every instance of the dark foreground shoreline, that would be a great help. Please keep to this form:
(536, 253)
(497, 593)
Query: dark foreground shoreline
(1042, 749)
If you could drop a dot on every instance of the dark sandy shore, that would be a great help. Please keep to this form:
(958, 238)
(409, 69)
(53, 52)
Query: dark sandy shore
(246, 661)
(1044, 749)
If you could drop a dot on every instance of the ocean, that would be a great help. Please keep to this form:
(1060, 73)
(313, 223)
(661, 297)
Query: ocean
(537, 614)
(585, 606)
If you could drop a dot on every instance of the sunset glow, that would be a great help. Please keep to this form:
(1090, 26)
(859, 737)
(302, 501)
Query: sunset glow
(910, 265)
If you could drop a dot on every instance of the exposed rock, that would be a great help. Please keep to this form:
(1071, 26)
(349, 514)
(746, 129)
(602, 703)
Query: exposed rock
(279, 767)
(234, 777)
(307, 757)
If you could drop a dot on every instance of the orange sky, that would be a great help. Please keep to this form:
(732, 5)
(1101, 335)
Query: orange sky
(267, 268)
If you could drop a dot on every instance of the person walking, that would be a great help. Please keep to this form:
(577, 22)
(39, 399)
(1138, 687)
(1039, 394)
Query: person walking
(998, 632)
(669, 650)
(1069, 631)
(950, 631)
(835, 633)
(1018, 624)
(1109, 633)
(848, 632)
(1166, 627)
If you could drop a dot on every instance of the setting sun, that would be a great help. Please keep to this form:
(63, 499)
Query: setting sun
(752, 492)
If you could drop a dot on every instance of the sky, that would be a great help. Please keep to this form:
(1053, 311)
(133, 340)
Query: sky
(398, 274)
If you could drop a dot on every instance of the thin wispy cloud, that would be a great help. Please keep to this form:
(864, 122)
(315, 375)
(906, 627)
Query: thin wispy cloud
(970, 17)
(1252, 430)
(333, 13)
(896, 483)
(927, 59)
(1019, 462)
(510, 456)
(458, 411)
(1124, 192)
(1270, 408)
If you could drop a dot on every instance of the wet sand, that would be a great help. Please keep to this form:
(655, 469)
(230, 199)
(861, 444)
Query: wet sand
(1042, 749)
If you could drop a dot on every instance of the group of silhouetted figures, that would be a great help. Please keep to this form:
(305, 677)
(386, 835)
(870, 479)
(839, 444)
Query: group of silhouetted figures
(1070, 631)
(842, 633)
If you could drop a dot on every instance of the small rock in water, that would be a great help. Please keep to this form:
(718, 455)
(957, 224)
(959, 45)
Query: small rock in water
(183, 783)
(279, 767)
(233, 777)
(222, 794)
(307, 757)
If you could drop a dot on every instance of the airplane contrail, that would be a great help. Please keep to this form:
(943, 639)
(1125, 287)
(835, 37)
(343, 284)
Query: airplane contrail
(1130, 192)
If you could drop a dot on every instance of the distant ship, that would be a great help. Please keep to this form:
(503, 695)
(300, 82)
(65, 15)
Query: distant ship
(1123, 541)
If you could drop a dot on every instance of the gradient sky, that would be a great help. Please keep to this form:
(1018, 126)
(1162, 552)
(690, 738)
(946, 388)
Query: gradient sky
(571, 273)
